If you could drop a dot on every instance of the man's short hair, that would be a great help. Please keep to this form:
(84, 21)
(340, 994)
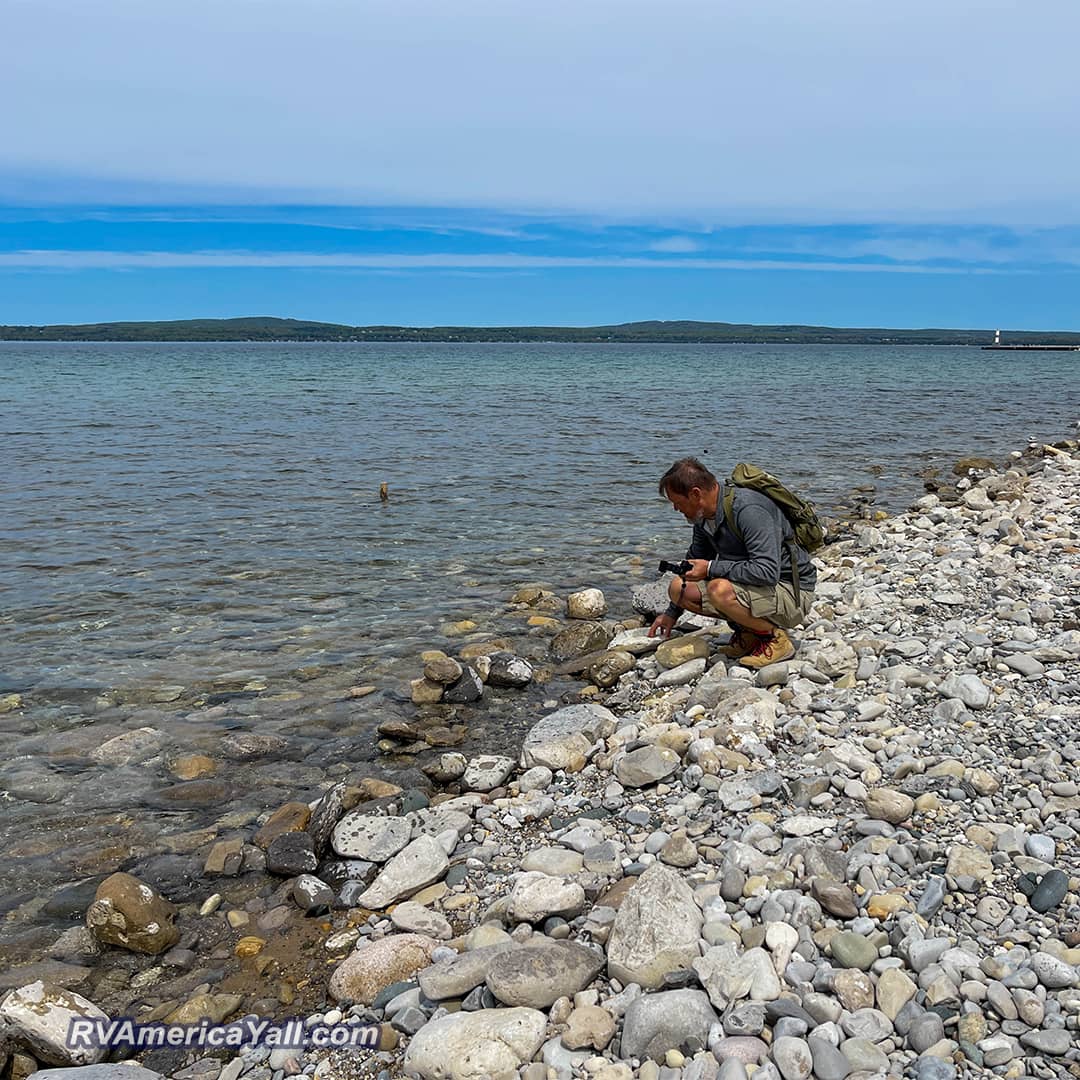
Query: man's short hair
(686, 474)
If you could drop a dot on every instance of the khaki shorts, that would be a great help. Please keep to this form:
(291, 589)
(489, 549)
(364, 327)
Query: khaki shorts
(774, 603)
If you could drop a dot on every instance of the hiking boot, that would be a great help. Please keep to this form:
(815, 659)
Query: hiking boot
(742, 643)
(770, 650)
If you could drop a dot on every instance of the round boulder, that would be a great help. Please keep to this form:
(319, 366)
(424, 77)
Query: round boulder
(128, 913)
(361, 975)
(587, 604)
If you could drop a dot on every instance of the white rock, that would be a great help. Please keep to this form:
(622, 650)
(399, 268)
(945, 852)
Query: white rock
(41, 1017)
(637, 642)
(587, 604)
(414, 918)
(563, 739)
(487, 772)
(970, 689)
(683, 674)
(492, 1043)
(536, 896)
(370, 837)
(656, 929)
(421, 863)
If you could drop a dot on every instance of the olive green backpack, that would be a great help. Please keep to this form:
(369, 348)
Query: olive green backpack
(809, 530)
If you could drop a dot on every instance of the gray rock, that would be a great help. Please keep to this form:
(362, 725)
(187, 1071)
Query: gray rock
(969, 689)
(731, 1068)
(925, 1031)
(745, 1018)
(457, 976)
(932, 898)
(741, 1048)
(828, 1062)
(835, 897)
(610, 666)
(1050, 892)
(729, 976)
(106, 1070)
(923, 952)
(1053, 1041)
(1040, 846)
(311, 894)
(656, 1023)
(864, 1056)
(792, 1058)
(636, 642)
(929, 1067)
(1053, 973)
(537, 896)
(869, 1024)
(1025, 665)
(739, 794)
(646, 765)
(538, 973)
(885, 804)
(652, 599)
(681, 675)
(998, 1050)
(656, 930)
(414, 918)
(290, 854)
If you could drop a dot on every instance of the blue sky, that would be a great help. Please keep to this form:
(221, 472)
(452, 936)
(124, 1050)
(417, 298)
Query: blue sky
(497, 163)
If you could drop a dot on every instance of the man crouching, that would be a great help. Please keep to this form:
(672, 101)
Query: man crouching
(740, 571)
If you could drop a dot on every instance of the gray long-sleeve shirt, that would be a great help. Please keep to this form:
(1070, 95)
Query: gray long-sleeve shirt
(761, 557)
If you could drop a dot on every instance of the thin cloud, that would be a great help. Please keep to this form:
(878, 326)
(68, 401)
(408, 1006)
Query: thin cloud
(182, 260)
(676, 245)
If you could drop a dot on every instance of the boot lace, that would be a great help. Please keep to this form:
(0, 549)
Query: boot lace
(763, 647)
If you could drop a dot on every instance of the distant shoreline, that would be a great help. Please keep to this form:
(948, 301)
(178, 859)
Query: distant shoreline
(292, 331)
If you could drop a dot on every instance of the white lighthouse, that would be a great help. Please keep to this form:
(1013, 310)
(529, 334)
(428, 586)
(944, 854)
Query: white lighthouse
(997, 337)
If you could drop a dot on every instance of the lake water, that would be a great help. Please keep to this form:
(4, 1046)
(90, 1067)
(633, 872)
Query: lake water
(192, 540)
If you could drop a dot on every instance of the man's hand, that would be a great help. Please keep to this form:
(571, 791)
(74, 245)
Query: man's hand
(661, 626)
(699, 570)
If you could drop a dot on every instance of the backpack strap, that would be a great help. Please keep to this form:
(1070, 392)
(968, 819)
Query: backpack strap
(728, 502)
(793, 551)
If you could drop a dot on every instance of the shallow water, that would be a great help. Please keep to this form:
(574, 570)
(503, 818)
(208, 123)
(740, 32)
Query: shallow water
(192, 540)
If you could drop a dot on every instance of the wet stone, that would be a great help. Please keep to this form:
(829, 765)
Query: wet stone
(325, 816)
(291, 854)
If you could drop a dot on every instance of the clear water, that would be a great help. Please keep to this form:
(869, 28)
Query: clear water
(207, 517)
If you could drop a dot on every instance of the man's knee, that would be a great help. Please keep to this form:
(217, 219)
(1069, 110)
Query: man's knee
(721, 593)
(676, 590)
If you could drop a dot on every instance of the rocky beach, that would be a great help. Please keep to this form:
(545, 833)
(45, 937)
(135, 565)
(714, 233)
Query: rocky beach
(862, 862)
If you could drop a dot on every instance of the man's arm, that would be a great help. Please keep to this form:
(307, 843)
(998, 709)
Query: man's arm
(762, 534)
(699, 548)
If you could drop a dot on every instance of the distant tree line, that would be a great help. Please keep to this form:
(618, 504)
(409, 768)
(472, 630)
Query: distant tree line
(709, 333)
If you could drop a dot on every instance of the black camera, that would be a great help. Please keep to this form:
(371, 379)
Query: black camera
(680, 568)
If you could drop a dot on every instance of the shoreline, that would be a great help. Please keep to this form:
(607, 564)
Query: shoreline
(875, 718)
